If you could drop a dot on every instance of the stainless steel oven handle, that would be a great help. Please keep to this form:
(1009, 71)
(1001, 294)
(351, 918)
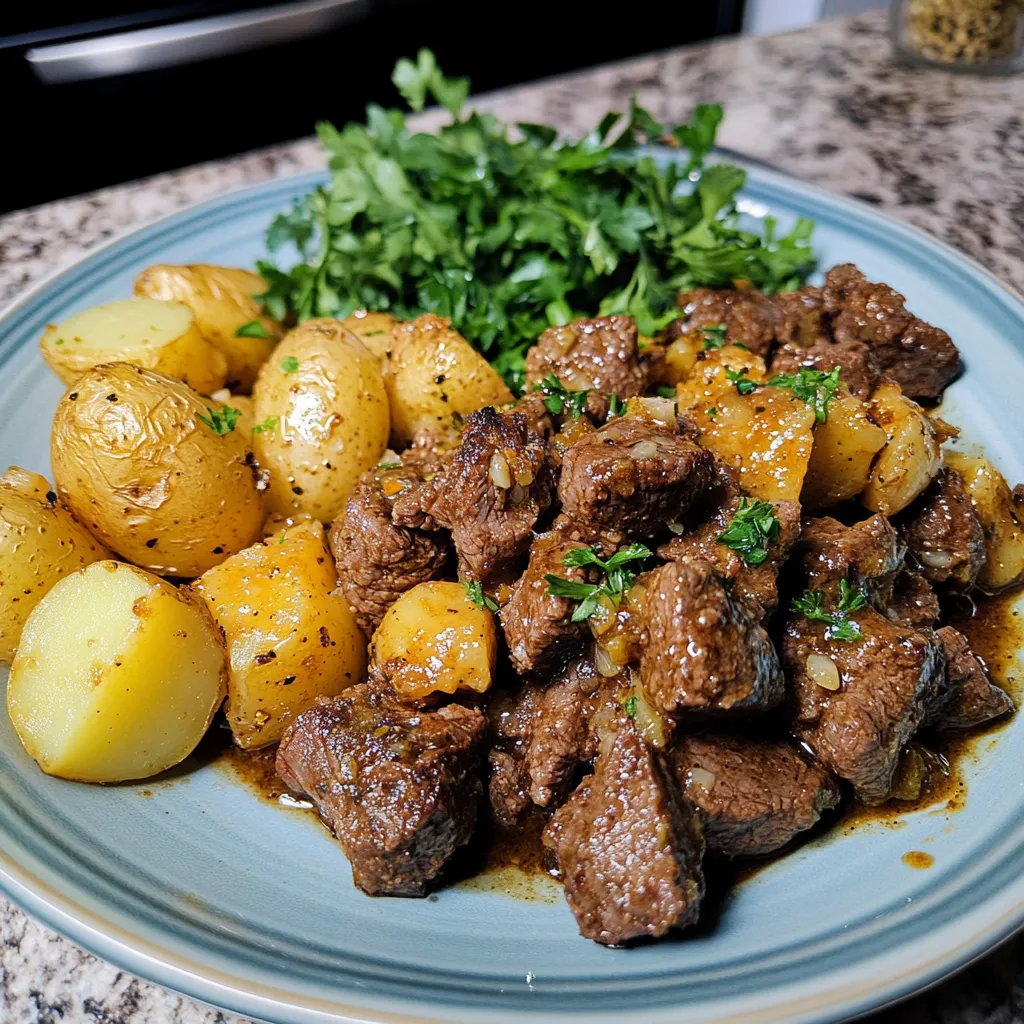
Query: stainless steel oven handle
(168, 45)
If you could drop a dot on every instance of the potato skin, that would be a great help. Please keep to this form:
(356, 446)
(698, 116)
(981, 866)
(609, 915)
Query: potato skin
(135, 463)
(434, 639)
(222, 299)
(304, 642)
(130, 690)
(374, 331)
(40, 543)
(435, 378)
(325, 393)
(125, 327)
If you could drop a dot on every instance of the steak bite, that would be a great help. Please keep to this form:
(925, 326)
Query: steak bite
(508, 787)
(538, 626)
(631, 477)
(399, 788)
(946, 536)
(921, 358)
(800, 317)
(971, 698)
(629, 847)
(857, 367)
(600, 355)
(748, 316)
(705, 648)
(376, 560)
(913, 601)
(857, 702)
(489, 492)
(753, 796)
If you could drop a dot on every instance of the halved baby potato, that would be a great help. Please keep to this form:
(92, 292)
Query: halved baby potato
(117, 676)
(155, 335)
(373, 330)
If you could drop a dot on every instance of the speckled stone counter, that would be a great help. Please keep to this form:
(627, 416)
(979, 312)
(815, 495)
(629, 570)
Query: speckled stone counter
(944, 152)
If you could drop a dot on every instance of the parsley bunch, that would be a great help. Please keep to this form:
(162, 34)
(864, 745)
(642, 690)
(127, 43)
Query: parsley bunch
(840, 625)
(510, 236)
(754, 526)
(618, 578)
(815, 387)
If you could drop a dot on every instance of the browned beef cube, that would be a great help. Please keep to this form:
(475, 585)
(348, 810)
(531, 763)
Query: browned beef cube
(539, 418)
(376, 560)
(398, 787)
(489, 492)
(755, 583)
(971, 698)
(748, 316)
(753, 796)
(631, 477)
(921, 358)
(800, 317)
(913, 601)
(629, 847)
(705, 648)
(508, 788)
(539, 630)
(867, 555)
(600, 355)
(946, 537)
(858, 369)
(886, 681)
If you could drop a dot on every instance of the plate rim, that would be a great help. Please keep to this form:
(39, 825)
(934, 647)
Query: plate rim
(149, 960)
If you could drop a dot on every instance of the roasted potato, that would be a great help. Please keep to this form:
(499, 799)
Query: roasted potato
(224, 302)
(373, 330)
(845, 446)
(40, 543)
(911, 457)
(125, 693)
(434, 639)
(137, 461)
(1000, 519)
(161, 336)
(303, 643)
(436, 377)
(766, 433)
(323, 394)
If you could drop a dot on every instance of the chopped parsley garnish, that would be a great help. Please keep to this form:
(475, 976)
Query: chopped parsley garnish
(475, 592)
(711, 412)
(714, 335)
(269, 424)
(222, 421)
(618, 578)
(508, 237)
(839, 624)
(629, 706)
(754, 526)
(616, 406)
(289, 364)
(744, 385)
(665, 391)
(815, 387)
(388, 465)
(253, 329)
(558, 398)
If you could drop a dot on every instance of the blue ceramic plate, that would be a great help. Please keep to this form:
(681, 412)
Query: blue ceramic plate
(205, 889)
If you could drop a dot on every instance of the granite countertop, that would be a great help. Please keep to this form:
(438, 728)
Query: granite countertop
(941, 151)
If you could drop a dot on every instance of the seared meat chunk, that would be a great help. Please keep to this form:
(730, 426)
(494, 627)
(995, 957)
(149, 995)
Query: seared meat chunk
(398, 787)
(971, 698)
(629, 847)
(508, 788)
(705, 648)
(538, 417)
(631, 477)
(886, 682)
(376, 560)
(857, 367)
(489, 493)
(538, 627)
(601, 356)
(753, 796)
(919, 357)
(755, 583)
(800, 317)
(748, 316)
(946, 536)
(913, 601)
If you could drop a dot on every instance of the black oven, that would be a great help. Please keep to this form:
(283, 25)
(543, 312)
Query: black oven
(104, 91)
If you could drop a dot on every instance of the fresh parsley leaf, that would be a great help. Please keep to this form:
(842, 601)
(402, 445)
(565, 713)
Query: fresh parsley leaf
(844, 629)
(711, 412)
(629, 706)
(266, 427)
(815, 387)
(754, 526)
(851, 599)
(253, 329)
(839, 625)
(714, 335)
(418, 81)
(388, 465)
(618, 578)
(289, 364)
(558, 398)
(744, 385)
(811, 606)
(665, 391)
(475, 592)
(616, 406)
(221, 421)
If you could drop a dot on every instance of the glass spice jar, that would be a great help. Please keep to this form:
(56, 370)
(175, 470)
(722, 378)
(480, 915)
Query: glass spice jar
(983, 36)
